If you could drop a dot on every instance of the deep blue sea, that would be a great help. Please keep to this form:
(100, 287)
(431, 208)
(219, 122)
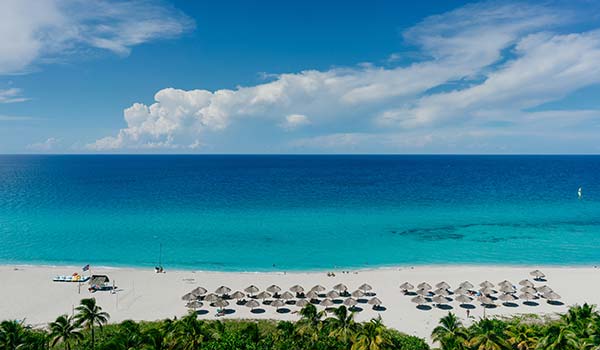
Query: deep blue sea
(256, 213)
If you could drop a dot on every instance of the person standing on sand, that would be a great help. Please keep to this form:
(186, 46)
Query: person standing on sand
(468, 313)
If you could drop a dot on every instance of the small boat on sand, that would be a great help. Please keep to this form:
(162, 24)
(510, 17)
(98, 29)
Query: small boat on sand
(73, 278)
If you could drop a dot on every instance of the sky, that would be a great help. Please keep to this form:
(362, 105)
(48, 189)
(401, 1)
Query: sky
(399, 77)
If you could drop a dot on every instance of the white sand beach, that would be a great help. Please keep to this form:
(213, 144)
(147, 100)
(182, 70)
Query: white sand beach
(28, 292)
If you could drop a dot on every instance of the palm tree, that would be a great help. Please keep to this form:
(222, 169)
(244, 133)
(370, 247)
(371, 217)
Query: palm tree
(486, 336)
(372, 336)
(343, 325)
(91, 315)
(560, 337)
(190, 332)
(12, 335)
(450, 333)
(521, 336)
(64, 330)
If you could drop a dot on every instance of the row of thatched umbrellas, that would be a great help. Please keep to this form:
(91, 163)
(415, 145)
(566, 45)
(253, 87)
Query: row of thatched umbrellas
(221, 294)
(465, 290)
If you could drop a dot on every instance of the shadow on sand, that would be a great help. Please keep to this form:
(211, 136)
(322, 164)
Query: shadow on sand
(258, 311)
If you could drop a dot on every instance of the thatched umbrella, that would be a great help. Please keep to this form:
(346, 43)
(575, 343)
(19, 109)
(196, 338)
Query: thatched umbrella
(326, 302)
(358, 293)
(302, 302)
(424, 285)
(273, 289)
(505, 283)
(374, 301)
(189, 297)
(486, 300)
(507, 289)
(312, 295)
(252, 289)
(466, 285)
(297, 289)
(278, 303)
(237, 295)
(287, 295)
(537, 274)
(526, 283)
(419, 299)
(529, 290)
(423, 292)
(350, 302)
(544, 289)
(551, 296)
(365, 287)
(406, 286)
(486, 291)
(527, 296)
(318, 288)
(507, 297)
(442, 285)
(211, 297)
(223, 290)
(332, 294)
(463, 299)
(340, 287)
(252, 304)
(196, 304)
(263, 295)
(486, 284)
(199, 291)
(441, 291)
(221, 303)
(461, 290)
(439, 299)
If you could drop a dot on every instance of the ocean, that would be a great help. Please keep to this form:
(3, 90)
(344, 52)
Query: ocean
(298, 212)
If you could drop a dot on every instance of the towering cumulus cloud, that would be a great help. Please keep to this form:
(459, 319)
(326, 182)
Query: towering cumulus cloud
(485, 68)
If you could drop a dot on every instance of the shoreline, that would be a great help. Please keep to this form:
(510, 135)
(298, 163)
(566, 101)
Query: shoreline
(142, 294)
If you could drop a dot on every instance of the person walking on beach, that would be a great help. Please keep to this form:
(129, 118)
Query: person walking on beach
(468, 313)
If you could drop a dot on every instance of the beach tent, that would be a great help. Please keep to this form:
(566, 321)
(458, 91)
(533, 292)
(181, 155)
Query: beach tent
(486, 300)
(527, 296)
(486, 291)
(507, 289)
(423, 292)
(263, 295)
(194, 304)
(537, 274)
(544, 289)
(312, 295)
(529, 290)
(252, 304)
(221, 303)
(278, 303)
(551, 296)
(297, 289)
(237, 295)
(507, 297)
(333, 294)
(505, 283)
(211, 297)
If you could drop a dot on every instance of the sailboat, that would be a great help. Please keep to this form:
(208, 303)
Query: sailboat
(579, 193)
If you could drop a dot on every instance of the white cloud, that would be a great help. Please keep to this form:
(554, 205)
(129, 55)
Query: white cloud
(483, 67)
(11, 95)
(294, 121)
(46, 146)
(35, 30)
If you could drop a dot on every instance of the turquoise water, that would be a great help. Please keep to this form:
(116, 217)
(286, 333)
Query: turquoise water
(256, 213)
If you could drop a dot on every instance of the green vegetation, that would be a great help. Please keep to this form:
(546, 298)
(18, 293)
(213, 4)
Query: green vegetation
(578, 329)
(88, 329)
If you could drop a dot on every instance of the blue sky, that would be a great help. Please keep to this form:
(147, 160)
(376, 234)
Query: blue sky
(306, 77)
